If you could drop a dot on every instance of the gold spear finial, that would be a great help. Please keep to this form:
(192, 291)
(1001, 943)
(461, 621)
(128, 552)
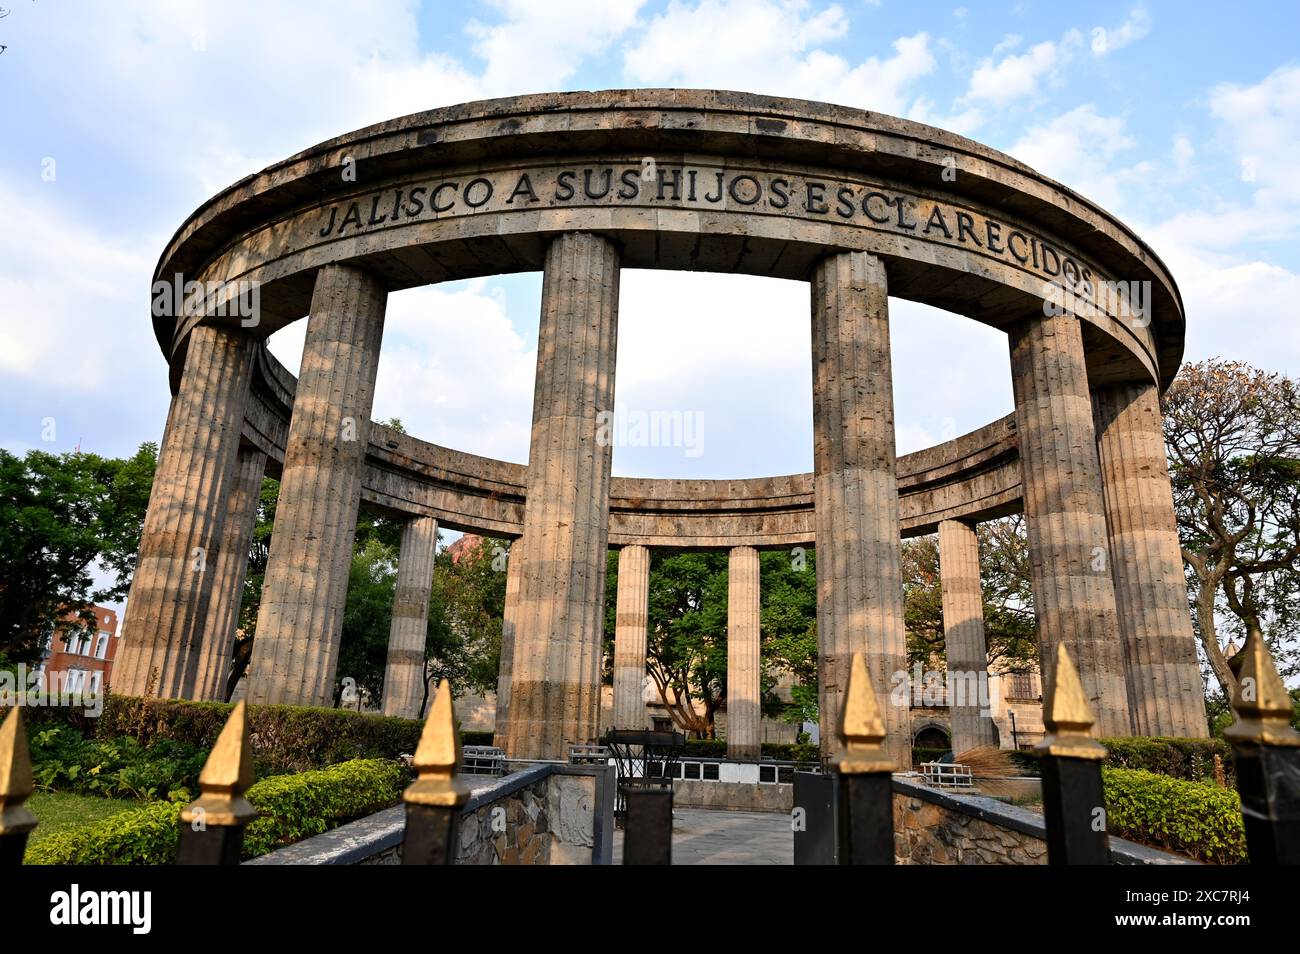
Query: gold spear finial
(1068, 716)
(1261, 702)
(437, 757)
(862, 730)
(15, 775)
(226, 775)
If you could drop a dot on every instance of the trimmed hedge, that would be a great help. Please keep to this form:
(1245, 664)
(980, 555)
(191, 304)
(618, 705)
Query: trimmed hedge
(140, 836)
(1192, 818)
(780, 751)
(1191, 760)
(290, 808)
(285, 738)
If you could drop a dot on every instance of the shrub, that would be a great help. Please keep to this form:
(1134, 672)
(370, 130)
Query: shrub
(293, 807)
(1192, 818)
(1189, 759)
(63, 760)
(705, 749)
(780, 751)
(791, 751)
(290, 808)
(285, 738)
(141, 836)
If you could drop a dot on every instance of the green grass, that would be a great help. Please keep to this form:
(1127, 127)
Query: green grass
(57, 811)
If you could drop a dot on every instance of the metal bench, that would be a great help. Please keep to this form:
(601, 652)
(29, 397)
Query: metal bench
(947, 774)
(483, 760)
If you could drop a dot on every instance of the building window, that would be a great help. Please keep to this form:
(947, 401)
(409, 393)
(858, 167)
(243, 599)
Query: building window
(101, 646)
(96, 679)
(73, 680)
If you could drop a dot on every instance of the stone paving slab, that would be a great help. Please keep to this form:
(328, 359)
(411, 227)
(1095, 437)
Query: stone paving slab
(705, 837)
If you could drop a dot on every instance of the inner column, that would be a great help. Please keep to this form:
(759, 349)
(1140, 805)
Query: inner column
(859, 577)
(228, 572)
(963, 634)
(744, 715)
(162, 641)
(1074, 599)
(631, 630)
(555, 684)
(300, 621)
(1147, 565)
(505, 667)
(409, 629)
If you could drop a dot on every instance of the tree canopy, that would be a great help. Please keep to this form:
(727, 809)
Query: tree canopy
(62, 517)
(1233, 438)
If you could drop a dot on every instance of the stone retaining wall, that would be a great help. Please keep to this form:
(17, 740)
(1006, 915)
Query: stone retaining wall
(936, 827)
(543, 814)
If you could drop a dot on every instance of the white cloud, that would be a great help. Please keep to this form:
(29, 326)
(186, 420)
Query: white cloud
(1262, 126)
(538, 46)
(67, 316)
(1078, 148)
(774, 48)
(1135, 27)
(79, 364)
(1019, 76)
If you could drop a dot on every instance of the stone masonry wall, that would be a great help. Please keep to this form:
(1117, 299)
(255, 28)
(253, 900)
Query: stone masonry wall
(929, 834)
(526, 838)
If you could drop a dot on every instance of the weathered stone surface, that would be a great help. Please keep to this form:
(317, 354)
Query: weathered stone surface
(228, 571)
(404, 667)
(555, 691)
(859, 577)
(1069, 549)
(963, 630)
(1165, 688)
(301, 615)
(570, 803)
(631, 629)
(505, 672)
(744, 714)
(163, 645)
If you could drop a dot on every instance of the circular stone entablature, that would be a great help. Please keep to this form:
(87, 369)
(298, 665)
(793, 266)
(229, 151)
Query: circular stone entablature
(680, 179)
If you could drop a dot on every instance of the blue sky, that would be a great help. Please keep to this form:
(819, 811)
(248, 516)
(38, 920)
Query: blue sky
(120, 119)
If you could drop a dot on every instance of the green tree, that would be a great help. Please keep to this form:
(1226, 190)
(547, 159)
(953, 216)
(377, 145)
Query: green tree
(686, 643)
(1009, 629)
(61, 515)
(367, 618)
(466, 606)
(789, 620)
(1233, 438)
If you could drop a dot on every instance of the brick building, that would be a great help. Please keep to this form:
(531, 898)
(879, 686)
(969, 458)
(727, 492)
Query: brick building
(82, 659)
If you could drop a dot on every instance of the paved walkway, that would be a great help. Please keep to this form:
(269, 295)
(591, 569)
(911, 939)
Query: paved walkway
(705, 837)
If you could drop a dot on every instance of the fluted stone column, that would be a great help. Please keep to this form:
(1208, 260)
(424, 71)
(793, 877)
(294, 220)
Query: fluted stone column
(295, 650)
(631, 629)
(182, 535)
(228, 572)
(505, 670)
(555, 691)
(1074, 599)
(1166, 694)
(859, 578)
(744, 712)
(404, 667)
(963, 634)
